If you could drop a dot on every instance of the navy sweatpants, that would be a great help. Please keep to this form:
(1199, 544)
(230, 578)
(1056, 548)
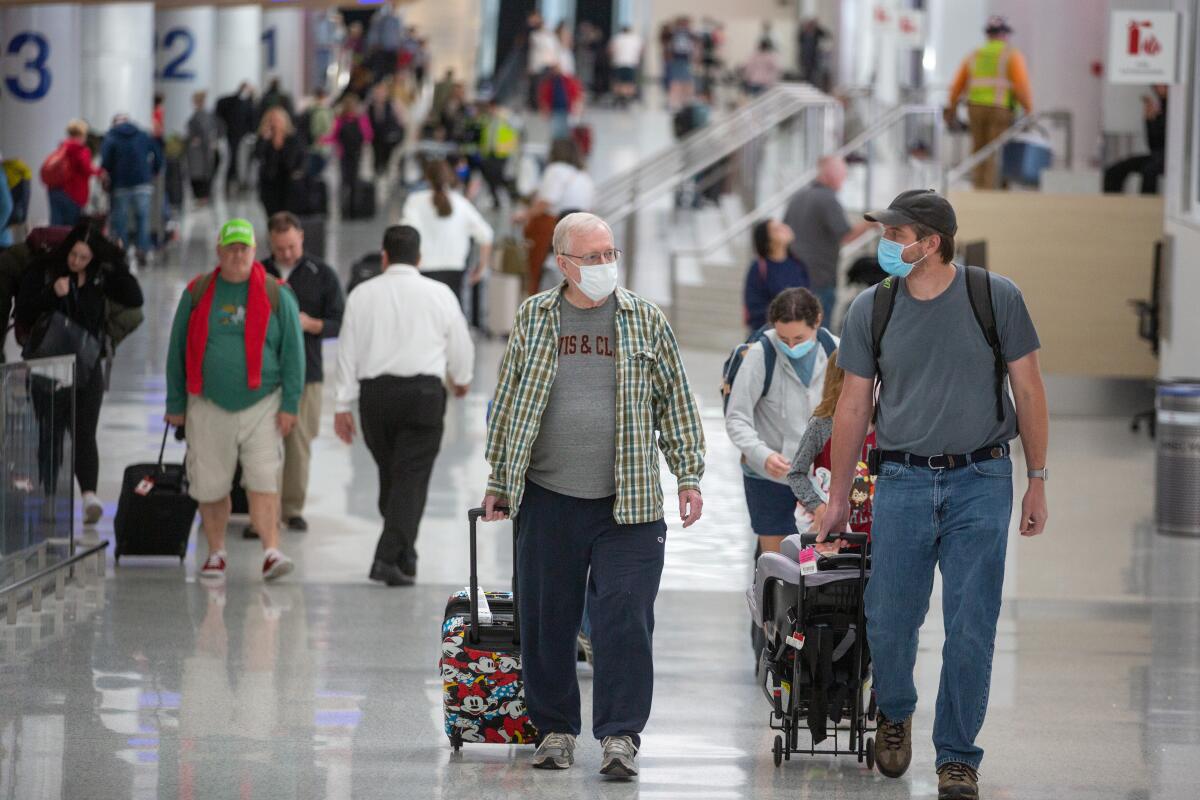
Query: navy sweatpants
(559, 538)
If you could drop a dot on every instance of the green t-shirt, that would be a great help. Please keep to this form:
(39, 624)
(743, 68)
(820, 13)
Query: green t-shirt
(225, 356)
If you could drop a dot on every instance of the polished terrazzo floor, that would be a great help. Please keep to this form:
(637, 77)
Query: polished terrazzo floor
(145, 684)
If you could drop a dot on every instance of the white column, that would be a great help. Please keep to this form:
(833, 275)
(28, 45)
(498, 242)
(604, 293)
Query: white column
(118, 62)
(283, 48)
(238, 54)
(185, 40)
(39, 76)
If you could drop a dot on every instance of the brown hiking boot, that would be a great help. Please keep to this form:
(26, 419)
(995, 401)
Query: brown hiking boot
(893, 746)
(957, 782)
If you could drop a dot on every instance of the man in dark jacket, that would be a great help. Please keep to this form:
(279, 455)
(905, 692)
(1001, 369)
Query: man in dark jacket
(319, 294)
(237, 114)
(132, 158)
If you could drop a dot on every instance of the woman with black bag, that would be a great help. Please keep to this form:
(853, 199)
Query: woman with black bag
(65, 295)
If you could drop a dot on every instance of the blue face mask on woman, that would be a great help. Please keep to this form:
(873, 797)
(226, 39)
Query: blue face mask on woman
(799, 350)
(890, 261)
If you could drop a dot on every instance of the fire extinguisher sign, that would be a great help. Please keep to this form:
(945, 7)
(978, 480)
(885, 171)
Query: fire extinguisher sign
(1144, 47)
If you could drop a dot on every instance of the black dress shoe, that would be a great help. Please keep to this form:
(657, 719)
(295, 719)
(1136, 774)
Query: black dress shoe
(297, 523)
(248, 532)
(389, 574)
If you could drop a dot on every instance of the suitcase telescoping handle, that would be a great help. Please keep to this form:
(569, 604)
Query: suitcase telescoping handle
(163, 448)
(474, 515)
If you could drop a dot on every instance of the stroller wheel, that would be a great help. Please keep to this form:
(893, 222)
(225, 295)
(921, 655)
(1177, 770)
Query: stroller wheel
(777, 750)
(871, 753)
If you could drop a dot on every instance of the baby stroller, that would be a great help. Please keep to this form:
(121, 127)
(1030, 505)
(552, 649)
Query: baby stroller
(816, 666)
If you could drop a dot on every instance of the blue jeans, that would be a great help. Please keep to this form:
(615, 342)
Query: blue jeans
(63, 210)
(560, 125)
(828, 297)
(132, 202)
(956, 520)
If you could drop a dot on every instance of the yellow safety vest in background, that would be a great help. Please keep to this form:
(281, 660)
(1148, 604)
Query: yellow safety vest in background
(989, 84)
(499, 138)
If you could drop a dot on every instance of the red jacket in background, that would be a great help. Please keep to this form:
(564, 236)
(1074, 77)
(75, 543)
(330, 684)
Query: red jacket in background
(79, 157)
(546, 92)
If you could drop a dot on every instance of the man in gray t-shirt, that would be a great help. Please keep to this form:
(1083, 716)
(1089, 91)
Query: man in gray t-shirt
(944, 488)
(817, 218)
(576, 448)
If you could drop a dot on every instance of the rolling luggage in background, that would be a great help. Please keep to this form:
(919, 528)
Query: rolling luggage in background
(359, 201)
(1023, 159)
(504, 295)
(239, 503)
(364, 269)
(155, 513)
(314, 235)
(483, 695)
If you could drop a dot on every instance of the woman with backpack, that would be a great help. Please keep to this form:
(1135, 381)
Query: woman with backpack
(351, 133)
(78, 279)
(774, 269)
(67, 172)
(774, 382)
(281, 161)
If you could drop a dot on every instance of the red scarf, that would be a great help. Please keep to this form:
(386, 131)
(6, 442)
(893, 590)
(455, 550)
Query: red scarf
(258, 317)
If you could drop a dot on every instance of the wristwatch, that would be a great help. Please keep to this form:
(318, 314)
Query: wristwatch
(1042, 473)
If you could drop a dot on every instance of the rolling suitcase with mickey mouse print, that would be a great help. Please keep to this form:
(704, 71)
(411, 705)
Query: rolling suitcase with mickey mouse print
(483, 695)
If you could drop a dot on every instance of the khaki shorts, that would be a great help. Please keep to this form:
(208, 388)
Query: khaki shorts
(219, 439)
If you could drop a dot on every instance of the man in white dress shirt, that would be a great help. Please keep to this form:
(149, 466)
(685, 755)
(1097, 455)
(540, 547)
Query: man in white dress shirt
(402, 338)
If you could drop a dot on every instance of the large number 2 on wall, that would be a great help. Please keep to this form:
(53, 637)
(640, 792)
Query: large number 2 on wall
(36, 65)
(174, 70)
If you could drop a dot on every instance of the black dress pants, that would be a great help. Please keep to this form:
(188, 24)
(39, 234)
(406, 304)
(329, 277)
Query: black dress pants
(402, 423)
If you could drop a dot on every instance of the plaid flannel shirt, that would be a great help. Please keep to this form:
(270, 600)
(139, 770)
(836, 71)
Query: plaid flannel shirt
(652, 394)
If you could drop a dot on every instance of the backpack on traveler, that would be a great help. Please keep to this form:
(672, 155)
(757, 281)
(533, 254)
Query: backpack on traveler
(732, 364)
(56, 169)
(18, 175)
(979, 293)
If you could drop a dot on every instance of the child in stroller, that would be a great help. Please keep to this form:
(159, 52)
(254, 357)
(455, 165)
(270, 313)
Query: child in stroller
(815, 667)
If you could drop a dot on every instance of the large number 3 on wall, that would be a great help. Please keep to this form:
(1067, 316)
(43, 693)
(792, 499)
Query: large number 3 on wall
(36, 50)
(174, 69)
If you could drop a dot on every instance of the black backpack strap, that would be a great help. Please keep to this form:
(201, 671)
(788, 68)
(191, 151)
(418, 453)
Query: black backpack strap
(769, 358)
(979, 291)
(884, 303)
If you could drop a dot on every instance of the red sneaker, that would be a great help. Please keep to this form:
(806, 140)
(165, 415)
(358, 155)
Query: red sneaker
(276, 565)
(214, 566)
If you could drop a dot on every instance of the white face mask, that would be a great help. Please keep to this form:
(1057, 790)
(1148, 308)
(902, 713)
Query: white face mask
(600, 281)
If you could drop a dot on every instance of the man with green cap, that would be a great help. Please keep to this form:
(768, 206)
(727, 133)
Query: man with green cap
(235, 374)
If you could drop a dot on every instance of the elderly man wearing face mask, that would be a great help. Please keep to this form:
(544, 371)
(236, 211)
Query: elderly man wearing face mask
(590, 373)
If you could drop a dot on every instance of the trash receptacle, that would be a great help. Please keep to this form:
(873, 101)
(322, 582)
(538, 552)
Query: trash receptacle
(1177, 479)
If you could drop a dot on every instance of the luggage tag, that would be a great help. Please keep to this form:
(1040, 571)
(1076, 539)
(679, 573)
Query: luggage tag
(485, 610)
(795, 640)
(808, 560)
(145, 486)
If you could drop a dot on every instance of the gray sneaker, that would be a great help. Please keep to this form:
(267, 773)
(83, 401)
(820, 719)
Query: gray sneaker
(620, 757)
(557, 751)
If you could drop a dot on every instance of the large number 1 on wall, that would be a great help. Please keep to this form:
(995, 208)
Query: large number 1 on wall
(36, 65)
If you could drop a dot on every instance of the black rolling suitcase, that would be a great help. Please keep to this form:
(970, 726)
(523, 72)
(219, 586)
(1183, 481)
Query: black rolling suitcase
(483, 694)
(359, 201)
(155, 513)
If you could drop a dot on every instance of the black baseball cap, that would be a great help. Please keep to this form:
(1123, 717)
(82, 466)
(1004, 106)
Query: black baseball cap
(924, 206)
(997, 25)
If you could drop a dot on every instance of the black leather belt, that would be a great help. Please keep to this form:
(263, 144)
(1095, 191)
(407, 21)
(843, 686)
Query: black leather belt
(939, 462)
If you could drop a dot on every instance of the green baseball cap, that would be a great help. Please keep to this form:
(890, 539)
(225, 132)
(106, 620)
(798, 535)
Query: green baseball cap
(237, 231)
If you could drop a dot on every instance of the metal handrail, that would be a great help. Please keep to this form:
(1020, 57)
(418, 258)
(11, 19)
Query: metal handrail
(1059, 116)
(659, 173)
(750, 218)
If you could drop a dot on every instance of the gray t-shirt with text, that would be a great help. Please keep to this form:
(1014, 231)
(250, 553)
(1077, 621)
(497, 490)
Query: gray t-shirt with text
(939, 389)
(575, 452)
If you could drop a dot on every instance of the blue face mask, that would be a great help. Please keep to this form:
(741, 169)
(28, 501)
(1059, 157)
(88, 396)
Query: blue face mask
(890, 261)
(799, 350)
